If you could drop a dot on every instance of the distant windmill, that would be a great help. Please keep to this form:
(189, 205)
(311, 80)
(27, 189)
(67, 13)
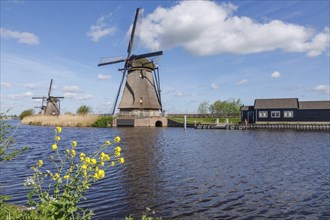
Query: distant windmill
(50, 105)
(43, 104)
(141, 94)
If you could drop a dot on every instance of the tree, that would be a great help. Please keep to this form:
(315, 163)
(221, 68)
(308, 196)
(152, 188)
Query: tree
(230, 106)
(25, 113)
(203, 108)
(84, 110)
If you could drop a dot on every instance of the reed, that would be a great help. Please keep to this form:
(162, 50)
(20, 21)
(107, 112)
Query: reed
(66, 120)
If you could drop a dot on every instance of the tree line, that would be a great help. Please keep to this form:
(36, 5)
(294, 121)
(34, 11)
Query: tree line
(230, 106)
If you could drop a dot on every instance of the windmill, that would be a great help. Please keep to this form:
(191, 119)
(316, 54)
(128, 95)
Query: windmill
(43, 105)
(50, 105)
(141, 96)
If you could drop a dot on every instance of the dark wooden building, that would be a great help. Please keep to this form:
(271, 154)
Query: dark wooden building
(286, 110)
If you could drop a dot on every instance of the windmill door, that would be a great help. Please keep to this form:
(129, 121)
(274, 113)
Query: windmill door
(250, 116)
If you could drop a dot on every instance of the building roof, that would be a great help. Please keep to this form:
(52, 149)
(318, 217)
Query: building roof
(314, 105)
(246, 108)
(288, 103)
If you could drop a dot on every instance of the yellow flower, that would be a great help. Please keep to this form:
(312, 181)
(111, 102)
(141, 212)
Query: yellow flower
(40, 163)
(117, 154)
(102, 164)
(88, 160)
(56, 176)
(93, 161)
(82, 156)
(57, 138)
(117, 139)
(74, 143)
(58, 129)
(67, 151)
(66, 176)
(51, 157)
(121, 160)
(73, 153)
(107, 143)
(84, 167)
(54, 146)
(112, 164)
(99, 174)
(104, 156)
(118, 149)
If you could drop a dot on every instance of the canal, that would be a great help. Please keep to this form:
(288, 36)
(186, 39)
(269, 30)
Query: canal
(193, 173)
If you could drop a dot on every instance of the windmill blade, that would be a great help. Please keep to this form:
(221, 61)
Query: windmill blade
(130, 44)
(145, 55)
(59, 97)
(38, 97)
(121, 83)
(50, 87)
(103, 62)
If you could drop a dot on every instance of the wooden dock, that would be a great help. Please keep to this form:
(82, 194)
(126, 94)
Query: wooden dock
(264, 126)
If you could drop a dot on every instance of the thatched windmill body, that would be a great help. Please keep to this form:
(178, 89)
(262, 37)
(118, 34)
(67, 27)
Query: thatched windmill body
(141, 96)
(51, 104)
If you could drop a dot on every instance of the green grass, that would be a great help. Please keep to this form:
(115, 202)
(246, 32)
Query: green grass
(206, 120)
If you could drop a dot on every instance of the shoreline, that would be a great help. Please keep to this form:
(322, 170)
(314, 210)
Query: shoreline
(61, 120)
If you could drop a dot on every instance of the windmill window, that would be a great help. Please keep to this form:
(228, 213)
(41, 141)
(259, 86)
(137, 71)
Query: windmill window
(288, 114)
(142, 74)
(141, 100)
(275, 114)
(263, 114)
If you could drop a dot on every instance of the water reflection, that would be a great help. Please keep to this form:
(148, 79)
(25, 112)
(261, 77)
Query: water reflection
(195, 174)
(142, 154)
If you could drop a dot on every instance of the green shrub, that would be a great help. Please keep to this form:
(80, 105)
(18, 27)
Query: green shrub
(84, 110)
(25, 113)
(103, 122)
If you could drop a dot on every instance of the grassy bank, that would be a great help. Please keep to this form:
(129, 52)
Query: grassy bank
(61, 120)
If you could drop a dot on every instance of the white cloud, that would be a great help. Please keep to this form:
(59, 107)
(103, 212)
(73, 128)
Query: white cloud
(324, 89)
(21, 37)
(70, 89)
(221, 32)
(30, 86)
(108, 103)
(243, 81)
(100, 29)
(276, 75)
(85, 97)
(6, 85)
(214, 86)
(179, 94)
(76, 96)
(103, 77)
(20, 96)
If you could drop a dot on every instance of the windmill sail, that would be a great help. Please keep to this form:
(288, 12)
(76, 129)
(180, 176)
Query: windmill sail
(52, 106)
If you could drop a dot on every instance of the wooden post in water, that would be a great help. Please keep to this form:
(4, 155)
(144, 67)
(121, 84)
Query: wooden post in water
(185, 122)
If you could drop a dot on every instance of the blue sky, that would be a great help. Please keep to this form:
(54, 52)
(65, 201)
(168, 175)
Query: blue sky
(212, 50)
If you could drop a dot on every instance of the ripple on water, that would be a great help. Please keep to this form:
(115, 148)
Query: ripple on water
(194, 174)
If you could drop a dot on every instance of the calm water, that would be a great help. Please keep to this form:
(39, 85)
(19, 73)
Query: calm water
(194, 174)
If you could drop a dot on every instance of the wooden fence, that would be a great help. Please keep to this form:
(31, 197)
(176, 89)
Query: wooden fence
(204, 115)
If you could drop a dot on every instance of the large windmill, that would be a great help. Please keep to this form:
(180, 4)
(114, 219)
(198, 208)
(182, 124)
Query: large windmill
(50, 105)
(141, 96)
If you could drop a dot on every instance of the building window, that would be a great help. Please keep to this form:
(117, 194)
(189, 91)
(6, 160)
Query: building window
(263, 114)
(288, 114)
(275, 114)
